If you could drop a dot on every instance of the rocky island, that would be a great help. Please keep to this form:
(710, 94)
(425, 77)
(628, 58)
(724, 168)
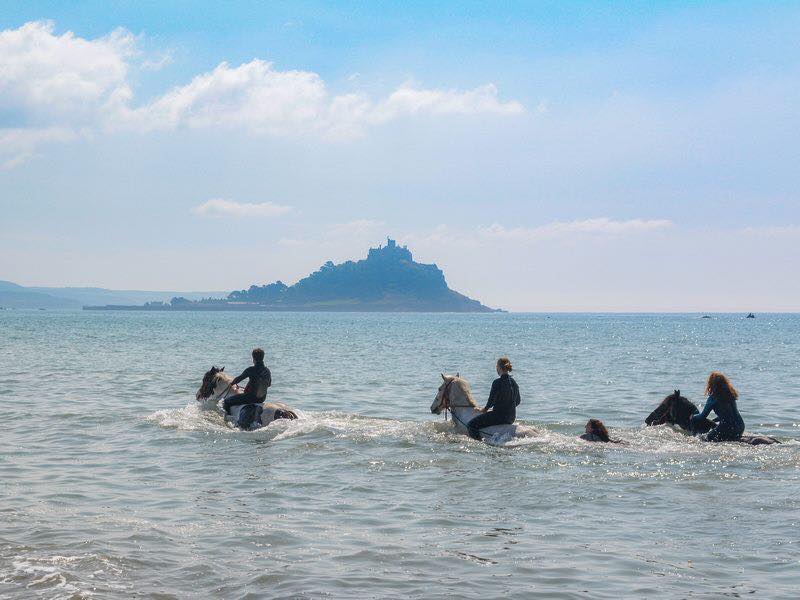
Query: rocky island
(388, 280)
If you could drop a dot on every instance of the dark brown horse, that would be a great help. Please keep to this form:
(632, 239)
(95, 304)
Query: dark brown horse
(677, 410)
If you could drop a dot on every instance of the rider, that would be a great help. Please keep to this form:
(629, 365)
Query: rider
(503, 401)
(722, 400)
(259, 379)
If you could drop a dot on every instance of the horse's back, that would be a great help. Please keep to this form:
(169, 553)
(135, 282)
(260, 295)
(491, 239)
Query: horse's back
(759, 440)
(504, 432)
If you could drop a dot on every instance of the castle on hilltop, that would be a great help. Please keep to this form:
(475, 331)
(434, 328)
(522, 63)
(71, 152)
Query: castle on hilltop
(388, 280)
(390, 251)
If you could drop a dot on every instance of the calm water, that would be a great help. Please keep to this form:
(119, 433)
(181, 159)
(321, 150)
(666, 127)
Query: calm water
(113, 484)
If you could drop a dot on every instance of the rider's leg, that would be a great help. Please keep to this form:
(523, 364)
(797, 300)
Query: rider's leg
(721, 433)
(485, 420)
(249, 414)
(236, 400)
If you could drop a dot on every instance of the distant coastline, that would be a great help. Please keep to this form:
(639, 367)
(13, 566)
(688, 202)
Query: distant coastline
(387, 280)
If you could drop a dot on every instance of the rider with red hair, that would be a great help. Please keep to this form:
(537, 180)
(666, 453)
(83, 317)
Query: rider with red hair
(722, 400)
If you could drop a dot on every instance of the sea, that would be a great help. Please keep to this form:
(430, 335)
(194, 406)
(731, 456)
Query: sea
(115, 484)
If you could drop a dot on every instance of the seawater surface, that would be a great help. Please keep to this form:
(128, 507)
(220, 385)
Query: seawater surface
(113, 484)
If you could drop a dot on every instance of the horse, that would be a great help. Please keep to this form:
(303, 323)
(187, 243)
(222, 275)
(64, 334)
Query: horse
(216, 386)
(677, 410)
(454, 395)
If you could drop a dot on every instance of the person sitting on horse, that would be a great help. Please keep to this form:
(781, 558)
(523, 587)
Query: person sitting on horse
(722, 400)
(258, 380)
(501, 408)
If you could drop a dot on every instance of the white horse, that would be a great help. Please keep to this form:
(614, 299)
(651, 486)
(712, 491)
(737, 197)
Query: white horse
(454, 395)
(217, 386)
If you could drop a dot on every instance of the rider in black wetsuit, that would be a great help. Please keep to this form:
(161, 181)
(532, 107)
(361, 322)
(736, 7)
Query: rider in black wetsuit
(722, 398)
(258, 380)
(501, 408)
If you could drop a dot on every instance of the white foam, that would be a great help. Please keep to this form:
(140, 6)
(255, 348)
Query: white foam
(664, 441)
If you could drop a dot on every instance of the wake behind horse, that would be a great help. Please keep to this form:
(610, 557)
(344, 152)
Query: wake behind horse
(454, 395)
(216, 386)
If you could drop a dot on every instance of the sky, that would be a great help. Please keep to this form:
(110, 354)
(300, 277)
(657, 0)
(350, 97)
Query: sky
(547, 156)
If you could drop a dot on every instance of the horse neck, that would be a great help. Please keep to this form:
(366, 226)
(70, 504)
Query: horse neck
(460, 405)
(464, 413)
(222, 383)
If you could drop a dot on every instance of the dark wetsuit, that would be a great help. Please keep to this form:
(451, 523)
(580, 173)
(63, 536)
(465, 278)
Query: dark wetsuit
(503, 401)
(258, 380)
(731, 424)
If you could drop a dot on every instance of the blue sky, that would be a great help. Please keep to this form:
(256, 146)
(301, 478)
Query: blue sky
(548, 156)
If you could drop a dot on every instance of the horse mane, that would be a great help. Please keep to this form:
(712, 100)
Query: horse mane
(463, 385)
(222, 375)
(216, 375)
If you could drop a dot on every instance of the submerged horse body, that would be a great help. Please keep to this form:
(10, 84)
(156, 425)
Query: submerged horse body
(454, 395)
(217, 386)
(677, 410)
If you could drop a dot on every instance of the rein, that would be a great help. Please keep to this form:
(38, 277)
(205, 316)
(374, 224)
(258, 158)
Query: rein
(225, 391)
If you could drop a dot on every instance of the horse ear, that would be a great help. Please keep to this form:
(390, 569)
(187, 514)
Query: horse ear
(222, 369)
(458, 374)
(677, 393)
(443, 377)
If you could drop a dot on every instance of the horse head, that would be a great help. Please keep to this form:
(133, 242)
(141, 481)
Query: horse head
(452, 385)
(677, 410)
(209, 382)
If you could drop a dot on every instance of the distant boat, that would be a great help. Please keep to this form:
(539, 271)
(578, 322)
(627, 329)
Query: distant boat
(750, 316)
(706, 317)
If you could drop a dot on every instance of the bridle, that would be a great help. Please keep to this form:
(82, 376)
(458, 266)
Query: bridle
(447, 406)
(223, 393)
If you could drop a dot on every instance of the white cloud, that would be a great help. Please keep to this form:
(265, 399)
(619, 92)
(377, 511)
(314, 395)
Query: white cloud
(409, 100)
(83, 85)
(258, 98)
(219, 207)
(252, 95)
(599, 226)
(61, 79)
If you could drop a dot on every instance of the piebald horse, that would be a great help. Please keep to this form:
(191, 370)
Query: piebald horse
(454, 395)
(217, 386)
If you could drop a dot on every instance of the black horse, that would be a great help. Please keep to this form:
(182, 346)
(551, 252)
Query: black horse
(677, 410)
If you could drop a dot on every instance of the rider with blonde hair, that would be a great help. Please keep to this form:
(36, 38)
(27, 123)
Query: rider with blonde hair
(501, 408)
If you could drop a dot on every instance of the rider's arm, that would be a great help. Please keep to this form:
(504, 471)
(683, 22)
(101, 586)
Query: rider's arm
(517, 397)
(492, 395)
(245, 375)
(707, 409)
